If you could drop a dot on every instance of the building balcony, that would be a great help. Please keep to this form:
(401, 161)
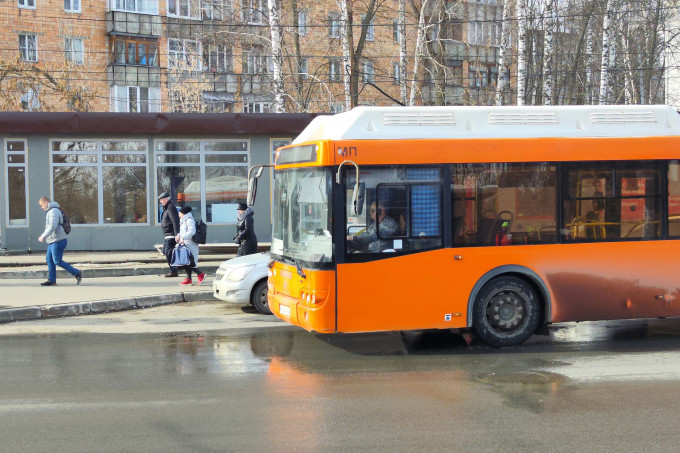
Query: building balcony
(133, 75)
(133, 23)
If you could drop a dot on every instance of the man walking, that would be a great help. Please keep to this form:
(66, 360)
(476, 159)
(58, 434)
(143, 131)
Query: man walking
(170, 225)
(55, 236)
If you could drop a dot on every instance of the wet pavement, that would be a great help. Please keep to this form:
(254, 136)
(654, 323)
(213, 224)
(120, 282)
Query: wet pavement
(585, 387)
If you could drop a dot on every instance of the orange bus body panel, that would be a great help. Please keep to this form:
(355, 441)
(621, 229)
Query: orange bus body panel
(318, 316)
(585, 282)
(394, 152)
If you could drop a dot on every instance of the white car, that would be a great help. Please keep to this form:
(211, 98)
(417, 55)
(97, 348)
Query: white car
(243, 280)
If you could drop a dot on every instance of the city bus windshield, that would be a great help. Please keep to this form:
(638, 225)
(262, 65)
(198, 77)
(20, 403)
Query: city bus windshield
(301, 217)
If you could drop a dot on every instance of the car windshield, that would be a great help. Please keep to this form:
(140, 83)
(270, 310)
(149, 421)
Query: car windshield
(301, 217)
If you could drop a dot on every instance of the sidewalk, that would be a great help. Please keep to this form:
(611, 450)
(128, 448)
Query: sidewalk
(112, 281)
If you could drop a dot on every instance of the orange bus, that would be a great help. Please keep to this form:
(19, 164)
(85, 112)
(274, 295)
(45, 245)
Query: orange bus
(501, 220)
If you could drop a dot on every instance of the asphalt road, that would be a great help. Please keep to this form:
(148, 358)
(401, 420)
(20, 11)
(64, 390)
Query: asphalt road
(193, 378)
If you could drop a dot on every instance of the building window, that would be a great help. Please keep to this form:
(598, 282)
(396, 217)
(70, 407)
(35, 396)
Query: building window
(101, 182)
(72, 6)
(302, 23)
(218, 102)
(30, 101)
(28, 47)
(254, 61)
(370, 28)
(211, 176)
(335, 70)
(337, 107)
(334, 25)
(251, 105)
(135, 99)
(135, 6)
(189, 9)
(213, 9)
(395, 30)
(15, 180)
(217, 58)
(368, 72)
(73, 50)
(184, 54)
(303, 68)
(27, 4)
(396, 70)
(255, 12)
(137, 51)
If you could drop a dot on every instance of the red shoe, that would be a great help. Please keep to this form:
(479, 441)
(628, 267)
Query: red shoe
(201, 277)
(186, 282)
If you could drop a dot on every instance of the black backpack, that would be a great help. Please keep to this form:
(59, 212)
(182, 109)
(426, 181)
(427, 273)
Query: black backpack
(65, 222)
(201, 232)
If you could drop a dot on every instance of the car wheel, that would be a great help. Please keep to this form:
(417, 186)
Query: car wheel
(506, 312)
(259, 298)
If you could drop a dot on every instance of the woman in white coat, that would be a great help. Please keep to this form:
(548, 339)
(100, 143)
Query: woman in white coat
(187, 229)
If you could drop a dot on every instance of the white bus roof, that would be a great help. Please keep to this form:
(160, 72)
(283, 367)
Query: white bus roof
(370, 123)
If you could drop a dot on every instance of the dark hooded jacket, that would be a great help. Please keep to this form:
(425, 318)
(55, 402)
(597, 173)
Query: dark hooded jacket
(245, 233)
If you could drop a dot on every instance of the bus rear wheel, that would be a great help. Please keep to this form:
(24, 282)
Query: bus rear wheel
(506, 312)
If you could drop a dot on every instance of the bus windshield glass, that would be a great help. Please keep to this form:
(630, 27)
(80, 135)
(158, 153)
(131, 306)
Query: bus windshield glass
(301, 214)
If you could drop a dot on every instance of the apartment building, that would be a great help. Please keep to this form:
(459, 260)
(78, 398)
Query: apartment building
(215, 55)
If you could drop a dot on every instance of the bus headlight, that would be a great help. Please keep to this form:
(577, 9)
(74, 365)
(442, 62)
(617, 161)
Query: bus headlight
(240, 273)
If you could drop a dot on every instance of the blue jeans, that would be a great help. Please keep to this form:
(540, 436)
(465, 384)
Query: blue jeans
(55, 252)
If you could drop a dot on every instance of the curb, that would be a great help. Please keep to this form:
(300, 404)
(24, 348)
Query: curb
(94, 273)
(100, 306)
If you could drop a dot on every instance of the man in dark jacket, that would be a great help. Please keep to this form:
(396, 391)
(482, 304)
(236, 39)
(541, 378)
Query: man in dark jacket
(170, 225)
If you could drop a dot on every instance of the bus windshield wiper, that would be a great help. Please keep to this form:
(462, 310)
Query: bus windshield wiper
(298, 267)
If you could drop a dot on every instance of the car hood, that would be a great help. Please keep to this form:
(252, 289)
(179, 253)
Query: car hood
(256, 258)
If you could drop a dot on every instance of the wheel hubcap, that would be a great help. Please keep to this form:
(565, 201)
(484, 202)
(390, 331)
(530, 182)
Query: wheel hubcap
(506, 310)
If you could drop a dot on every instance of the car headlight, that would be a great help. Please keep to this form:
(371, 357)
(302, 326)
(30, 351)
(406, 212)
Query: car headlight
(240, 273)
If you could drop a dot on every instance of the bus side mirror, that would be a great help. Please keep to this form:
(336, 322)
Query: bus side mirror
(252, 182)
(252, 191)
(359, 196)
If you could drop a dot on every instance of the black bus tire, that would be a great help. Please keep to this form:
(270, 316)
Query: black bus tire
(506, 312)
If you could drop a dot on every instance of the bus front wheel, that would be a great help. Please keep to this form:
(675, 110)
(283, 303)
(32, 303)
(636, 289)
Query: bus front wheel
(506, 312)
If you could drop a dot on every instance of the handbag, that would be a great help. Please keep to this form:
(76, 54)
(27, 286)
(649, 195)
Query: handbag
(181, 256)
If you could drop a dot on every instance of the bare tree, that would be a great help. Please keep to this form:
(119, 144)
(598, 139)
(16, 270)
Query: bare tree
(548, 52)
(276, 41)
(604, 65)
(521, 51)
(503, 67)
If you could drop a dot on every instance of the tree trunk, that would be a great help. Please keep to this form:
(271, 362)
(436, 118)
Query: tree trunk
(604, 66)
(503, 69)
(347, 51)
(403, 88)
(548, 53)
(418, 53)
(275, 29)
(521, 51)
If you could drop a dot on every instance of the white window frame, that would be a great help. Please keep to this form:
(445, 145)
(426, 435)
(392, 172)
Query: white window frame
(213, 9)
(252, 106)
(255, 61)
(335, 70)
(74, 55)
(153, 98)
(72, 6)
(302, 23)
(202, 164)
(175, 55)
(255, 12)
(23, 165)
(303, 68)
(334, 25)
(193, 6)
(222, 53)
(100, 164)
(25, 47)
(26, 4)
(367, 72)
(370, 30)
(138, 6)
(32, 101)
(396, 70)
